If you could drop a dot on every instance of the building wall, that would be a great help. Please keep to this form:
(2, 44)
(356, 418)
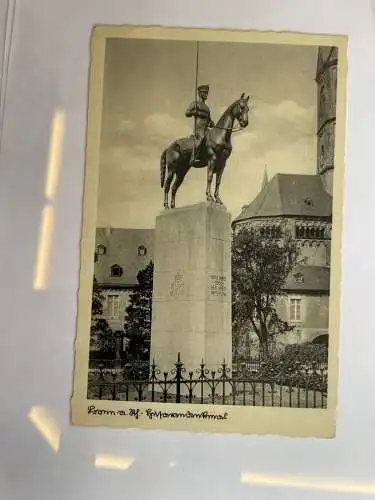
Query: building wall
(314, 253)
(326, 152)
(122, 247)
(314, 319)
(326, 80)
(132, 251)
(328, 179)
(115, 315)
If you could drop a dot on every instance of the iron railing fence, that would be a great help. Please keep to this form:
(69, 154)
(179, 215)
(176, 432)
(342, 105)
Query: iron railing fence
(240, 364)
(272, 383)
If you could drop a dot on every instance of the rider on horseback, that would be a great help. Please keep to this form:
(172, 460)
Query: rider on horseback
(202, 114)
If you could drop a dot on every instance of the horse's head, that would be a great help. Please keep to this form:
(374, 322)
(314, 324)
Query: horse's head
(241, 110)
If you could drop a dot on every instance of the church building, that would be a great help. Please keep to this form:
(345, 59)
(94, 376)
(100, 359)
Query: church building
(301, 205)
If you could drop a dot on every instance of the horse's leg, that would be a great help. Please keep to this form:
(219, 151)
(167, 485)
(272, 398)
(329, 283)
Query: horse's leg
(180, 176)
(167, 185)
(172, 162)
(210, 173)
(219, 175)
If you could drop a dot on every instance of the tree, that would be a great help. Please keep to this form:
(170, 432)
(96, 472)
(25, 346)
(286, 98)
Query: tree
(138, 315)
(101, 337)
(97, 300)
(260, 266)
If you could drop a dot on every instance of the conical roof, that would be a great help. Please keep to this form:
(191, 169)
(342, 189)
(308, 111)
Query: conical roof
(291, 195)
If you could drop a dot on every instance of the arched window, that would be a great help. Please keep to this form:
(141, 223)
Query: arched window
(116, 271)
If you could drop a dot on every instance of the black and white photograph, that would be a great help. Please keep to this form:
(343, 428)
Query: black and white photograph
(210, 254)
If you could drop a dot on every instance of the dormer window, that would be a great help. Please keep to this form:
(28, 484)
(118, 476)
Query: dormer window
(309, 202)
(142, 251)
(116, 271)
(101, 250)
(299, 278)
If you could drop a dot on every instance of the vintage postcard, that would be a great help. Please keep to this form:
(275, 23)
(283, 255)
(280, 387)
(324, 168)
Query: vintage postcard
(209, 292)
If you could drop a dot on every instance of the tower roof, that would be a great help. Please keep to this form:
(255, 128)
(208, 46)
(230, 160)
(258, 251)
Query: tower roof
(290, 195)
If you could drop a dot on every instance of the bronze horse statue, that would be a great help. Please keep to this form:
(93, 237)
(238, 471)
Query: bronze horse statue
(216, 149)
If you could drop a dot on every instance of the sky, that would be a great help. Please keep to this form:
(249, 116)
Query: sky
(148, 85)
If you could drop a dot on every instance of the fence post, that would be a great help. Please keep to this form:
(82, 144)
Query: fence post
(178, 378)
(101, 379)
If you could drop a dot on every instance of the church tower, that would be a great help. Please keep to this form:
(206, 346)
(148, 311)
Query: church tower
(326, 79)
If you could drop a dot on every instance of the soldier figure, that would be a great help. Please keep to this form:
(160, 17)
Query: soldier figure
(202, 114)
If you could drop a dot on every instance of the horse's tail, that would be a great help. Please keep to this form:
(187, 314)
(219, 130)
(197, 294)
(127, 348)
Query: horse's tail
(163, 167)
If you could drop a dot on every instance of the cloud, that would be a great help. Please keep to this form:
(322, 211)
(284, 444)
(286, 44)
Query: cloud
(124, 125)
(272, 127)
(157, 130)
(165, 127)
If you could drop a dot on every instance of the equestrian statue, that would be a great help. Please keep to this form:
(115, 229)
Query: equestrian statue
(210, 146)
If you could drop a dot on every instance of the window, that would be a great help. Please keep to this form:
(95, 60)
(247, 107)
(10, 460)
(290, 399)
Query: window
(116, 271)
(142, 251)
(299, 278)
(309, 232)
(101, 249)
(273, 232)
(295, 310)
(113, 306)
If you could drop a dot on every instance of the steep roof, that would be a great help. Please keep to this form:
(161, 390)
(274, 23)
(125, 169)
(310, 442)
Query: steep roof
(308, 279)
(290, 195)
(122, 249)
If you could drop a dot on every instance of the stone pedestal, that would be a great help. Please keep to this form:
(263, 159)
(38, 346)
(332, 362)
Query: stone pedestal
(191, 312)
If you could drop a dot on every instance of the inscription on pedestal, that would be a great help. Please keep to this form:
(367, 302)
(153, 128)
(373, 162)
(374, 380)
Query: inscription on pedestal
(218, 285)
(177, 288)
